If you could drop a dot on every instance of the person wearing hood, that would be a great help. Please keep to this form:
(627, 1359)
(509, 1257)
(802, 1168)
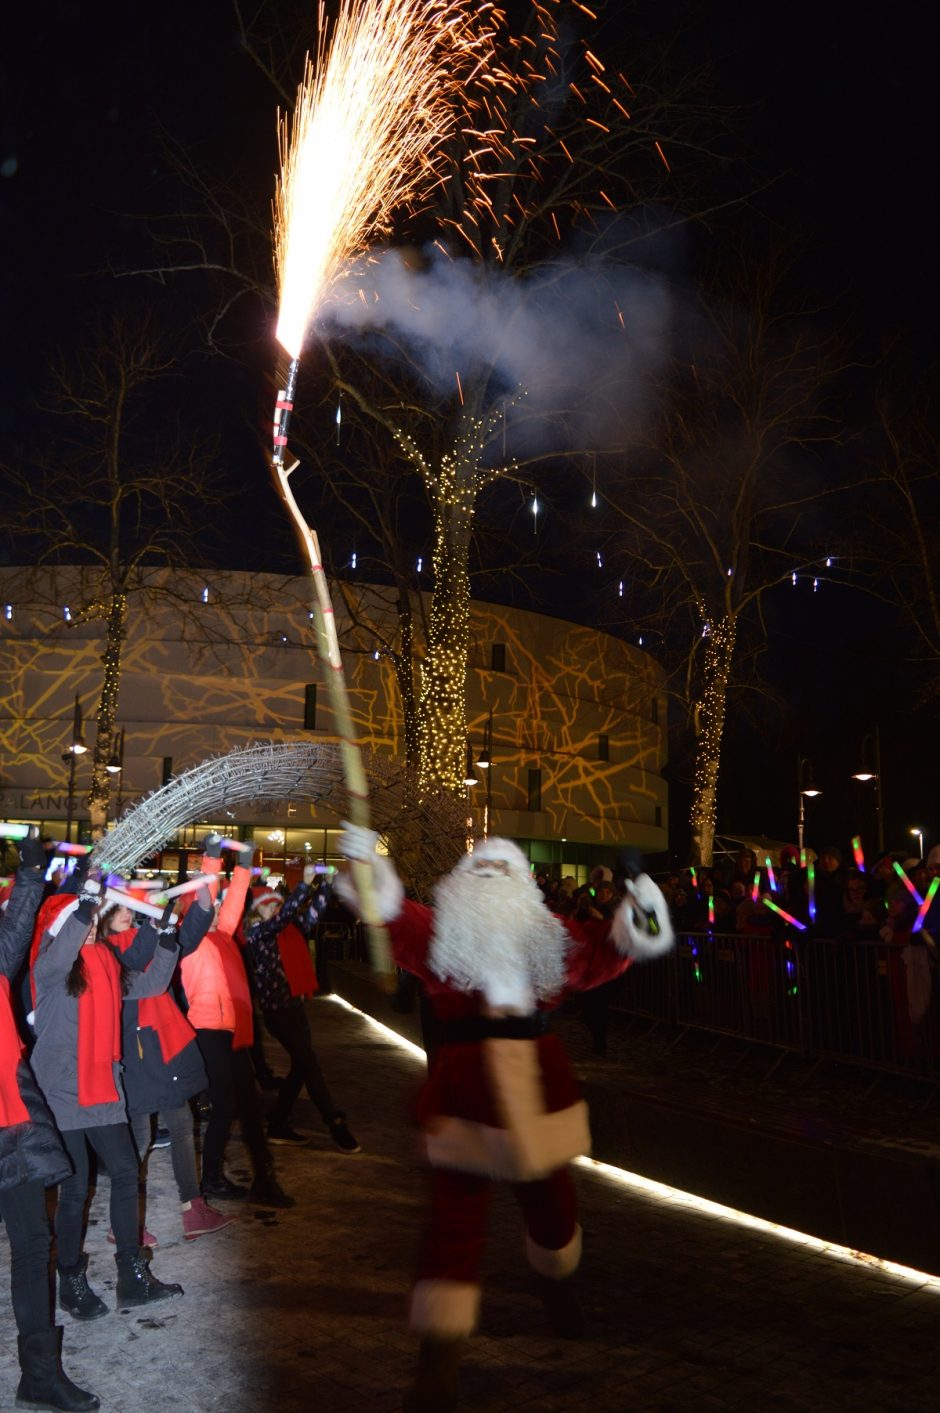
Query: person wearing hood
(501, 1101)
(78, 986)
(32, 1158)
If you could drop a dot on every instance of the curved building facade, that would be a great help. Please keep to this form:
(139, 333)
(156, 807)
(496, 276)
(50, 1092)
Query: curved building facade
(572, 720)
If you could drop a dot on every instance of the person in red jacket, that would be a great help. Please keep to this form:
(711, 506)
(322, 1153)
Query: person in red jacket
(284, 976)
(32, 1158)
(218, 1000)
(501, 1100)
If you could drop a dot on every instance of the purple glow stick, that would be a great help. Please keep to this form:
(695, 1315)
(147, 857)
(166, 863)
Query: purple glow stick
(925, 905)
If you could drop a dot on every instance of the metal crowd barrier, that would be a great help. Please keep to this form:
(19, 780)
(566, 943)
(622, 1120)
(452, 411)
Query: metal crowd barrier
(867, 1003)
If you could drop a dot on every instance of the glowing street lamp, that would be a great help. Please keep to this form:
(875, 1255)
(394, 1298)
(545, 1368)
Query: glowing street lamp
(807, 791)
(866, 774)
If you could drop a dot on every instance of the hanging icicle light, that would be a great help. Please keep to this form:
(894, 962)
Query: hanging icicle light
(828, 561)
(600, 559)
(640, 640)
(8, 611)
(352, 562)
(593, 480)
(594, 500)
(420, 564)
(535, 513)
(793, 577)
(620, 589)
(339, 416)
(815, 585)
(205, 594)
(67, 614)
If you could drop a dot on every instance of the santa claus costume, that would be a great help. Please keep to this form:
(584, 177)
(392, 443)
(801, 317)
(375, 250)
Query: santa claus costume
(501, 1100)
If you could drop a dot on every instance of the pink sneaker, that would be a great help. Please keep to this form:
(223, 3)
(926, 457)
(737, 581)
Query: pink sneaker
(145, 1237)
(199, 1219)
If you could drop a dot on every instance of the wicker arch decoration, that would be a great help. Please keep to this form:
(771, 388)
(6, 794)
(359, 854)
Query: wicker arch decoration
(426, 833)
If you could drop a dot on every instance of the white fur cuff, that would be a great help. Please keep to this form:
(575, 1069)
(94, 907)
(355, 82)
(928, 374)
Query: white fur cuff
(446, 1308)
(389, 893)
(555, 1265)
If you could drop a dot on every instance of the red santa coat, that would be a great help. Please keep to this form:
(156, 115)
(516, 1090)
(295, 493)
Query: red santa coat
(502, 1107)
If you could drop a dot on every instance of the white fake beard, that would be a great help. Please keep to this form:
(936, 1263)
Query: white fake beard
(494, 934)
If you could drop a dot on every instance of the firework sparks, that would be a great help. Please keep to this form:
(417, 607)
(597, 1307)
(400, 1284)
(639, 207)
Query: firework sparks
(372, 112)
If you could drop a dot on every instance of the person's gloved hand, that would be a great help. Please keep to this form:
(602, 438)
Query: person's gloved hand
(212, 846)
(88, 900)
(246, 853)
(358, 842)
(33, 853)
(642, 927)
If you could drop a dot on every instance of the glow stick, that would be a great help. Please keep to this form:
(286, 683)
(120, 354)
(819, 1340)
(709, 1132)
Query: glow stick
(802, 858)
(907, 883)
(925, 905)
(236, 844)
(263, 872)
(15, 831)
(811, 889)
(73, 848)
(755, 887)
(858, 853)
(147, 883)
(126, 900)
(787, 917)
(694, 878)
(770, 873)
(711, 909)
(191, 886)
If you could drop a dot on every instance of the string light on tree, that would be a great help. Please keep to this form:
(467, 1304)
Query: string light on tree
(709, 724)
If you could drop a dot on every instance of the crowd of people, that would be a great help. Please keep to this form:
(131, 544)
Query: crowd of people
(117, 1021)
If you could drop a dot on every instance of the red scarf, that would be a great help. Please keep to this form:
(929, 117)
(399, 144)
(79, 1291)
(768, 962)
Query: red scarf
(99, 1026)
(295, 959)
(159, 1013)
(12, 1108)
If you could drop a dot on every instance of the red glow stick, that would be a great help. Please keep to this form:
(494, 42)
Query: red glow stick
(787, 917)
(755, 888)
(925, 905)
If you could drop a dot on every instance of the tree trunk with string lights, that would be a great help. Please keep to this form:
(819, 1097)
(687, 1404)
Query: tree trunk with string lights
(99, 796)
(709, 726)
(442, 703)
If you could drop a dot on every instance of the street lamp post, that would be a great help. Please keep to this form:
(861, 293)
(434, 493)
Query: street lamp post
(807, 791)
(919, 835)
(866, 774)
(485, 762)
(76, 747)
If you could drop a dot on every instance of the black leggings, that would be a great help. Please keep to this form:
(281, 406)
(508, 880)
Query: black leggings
(232, 1090)
(290, 1026)
(115, 1147)
(23, 1209)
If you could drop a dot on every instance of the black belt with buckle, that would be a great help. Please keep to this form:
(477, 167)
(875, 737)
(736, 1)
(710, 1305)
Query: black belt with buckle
(467, 1030)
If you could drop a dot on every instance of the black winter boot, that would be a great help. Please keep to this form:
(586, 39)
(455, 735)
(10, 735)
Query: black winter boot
(565, 1316)
(217, 1187)
(137, 1286)
(76, 1296)
(435, 1387)
(44, 1385)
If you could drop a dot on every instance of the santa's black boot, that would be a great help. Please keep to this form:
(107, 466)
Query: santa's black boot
(435, 1387)
(136, 1285)
(43, 1383)
(562, 1307)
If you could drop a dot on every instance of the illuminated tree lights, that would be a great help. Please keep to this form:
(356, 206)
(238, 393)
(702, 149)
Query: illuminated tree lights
(719, 643)
(99, 795)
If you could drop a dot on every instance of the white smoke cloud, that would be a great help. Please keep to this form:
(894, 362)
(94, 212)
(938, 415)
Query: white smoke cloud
(582, 337)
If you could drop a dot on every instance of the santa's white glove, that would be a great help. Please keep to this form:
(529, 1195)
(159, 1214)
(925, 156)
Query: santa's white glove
(642, 927)
(358, 842)
(310, 873)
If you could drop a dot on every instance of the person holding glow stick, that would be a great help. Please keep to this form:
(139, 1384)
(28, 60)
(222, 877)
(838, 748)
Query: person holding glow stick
(163, 1068)
(32, 1158)
(218, 1001)
(78, 986)
(284, 976)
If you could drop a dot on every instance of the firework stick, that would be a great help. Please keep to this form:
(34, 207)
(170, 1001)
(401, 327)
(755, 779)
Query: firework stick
(328, 647)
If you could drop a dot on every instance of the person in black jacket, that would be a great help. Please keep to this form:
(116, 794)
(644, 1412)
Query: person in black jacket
(32, 1158)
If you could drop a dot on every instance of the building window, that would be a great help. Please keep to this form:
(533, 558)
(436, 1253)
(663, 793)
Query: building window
(535, 790)
(497, 657)
(310, 706)
(603, 748)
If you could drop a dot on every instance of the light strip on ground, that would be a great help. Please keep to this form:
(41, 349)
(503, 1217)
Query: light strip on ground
(704, 1206)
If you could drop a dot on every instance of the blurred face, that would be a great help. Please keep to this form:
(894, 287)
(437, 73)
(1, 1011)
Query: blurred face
(488, 868)
(828, 863)
(268, 909)
(120, 920)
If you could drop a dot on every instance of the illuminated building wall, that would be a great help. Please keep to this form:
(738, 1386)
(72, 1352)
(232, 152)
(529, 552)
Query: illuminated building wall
(214, 661)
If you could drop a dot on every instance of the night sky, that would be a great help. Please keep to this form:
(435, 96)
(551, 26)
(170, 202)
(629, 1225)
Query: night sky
(837, 114)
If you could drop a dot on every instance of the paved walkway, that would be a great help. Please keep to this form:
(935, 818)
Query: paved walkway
(305, 1309)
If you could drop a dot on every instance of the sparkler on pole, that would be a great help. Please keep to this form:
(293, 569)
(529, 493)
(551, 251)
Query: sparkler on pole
(371, 115)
